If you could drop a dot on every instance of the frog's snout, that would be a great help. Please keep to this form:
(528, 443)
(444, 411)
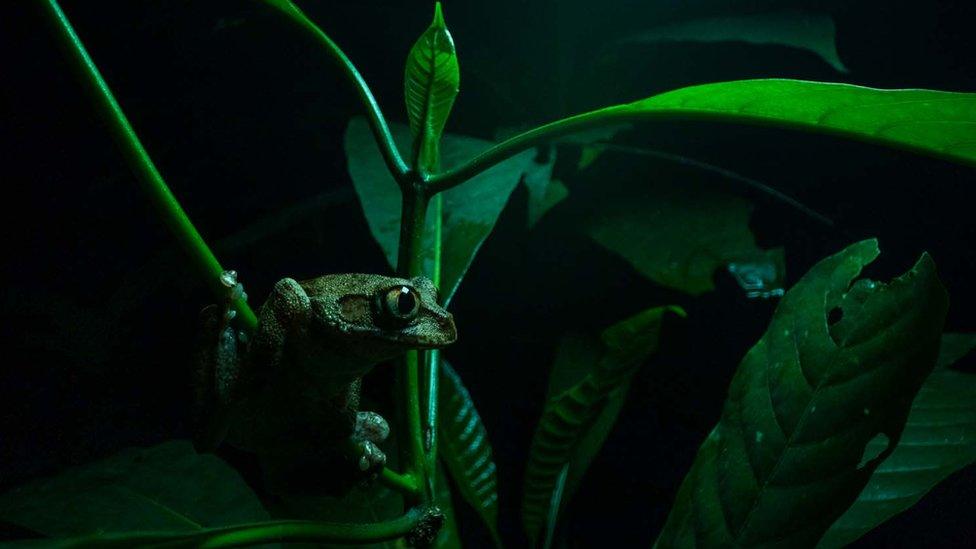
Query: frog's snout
(436, 330)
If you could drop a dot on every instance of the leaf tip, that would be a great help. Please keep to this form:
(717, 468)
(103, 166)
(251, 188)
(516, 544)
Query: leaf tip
(438, 22)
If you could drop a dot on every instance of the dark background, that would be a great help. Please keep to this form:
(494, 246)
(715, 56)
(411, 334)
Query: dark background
(245, 117)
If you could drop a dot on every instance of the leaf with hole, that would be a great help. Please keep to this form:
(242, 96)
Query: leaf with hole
(586, 376)
(938, 440)
(800, 431)
(466, 450)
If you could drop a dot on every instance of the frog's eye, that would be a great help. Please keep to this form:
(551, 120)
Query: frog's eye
(401, 303)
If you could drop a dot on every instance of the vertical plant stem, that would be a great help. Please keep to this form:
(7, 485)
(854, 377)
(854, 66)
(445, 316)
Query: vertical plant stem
(410, 263)
(432, 364)
(151, 181)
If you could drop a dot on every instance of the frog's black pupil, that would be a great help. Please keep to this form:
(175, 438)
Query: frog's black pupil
(406, 302)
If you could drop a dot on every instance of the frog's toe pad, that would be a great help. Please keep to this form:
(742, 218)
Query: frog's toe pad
(372, 427)
(372, 457)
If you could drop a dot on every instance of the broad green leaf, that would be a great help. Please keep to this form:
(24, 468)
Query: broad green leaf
(927, 121)
(798, 29)
(936, 123)
(430, 84)
(470, 209)
(796, 441)
(466, 450)
(587, 374)
(938, 440)
(166, 488)
(678, 235)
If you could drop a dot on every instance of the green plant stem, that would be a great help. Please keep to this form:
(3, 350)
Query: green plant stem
(410, 263)
(432, 364)
(288, 531)
(405, 484)
(377, 122)
(536, 136)
(151, 181)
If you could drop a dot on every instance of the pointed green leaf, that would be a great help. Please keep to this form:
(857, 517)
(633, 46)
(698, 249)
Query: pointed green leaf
(587, 374)
(470, 210)
(814, 32)
(430, 85)
(936, 123)
(797, 439)
(466, 450)
(166, 488)
(939, 439)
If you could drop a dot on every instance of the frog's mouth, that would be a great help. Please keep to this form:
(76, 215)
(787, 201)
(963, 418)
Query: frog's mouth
(433, 330)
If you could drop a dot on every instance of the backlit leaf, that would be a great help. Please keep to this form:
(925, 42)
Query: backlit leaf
(814, 32)
(430, 84)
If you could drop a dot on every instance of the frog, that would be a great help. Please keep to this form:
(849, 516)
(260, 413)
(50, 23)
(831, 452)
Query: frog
(289, 392)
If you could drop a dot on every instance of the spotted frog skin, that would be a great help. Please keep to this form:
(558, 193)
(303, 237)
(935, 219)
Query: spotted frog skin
(290, 393)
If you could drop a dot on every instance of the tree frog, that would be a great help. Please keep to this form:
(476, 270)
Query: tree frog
(290, 392)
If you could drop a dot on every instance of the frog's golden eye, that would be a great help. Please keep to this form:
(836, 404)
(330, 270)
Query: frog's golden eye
(401, 303)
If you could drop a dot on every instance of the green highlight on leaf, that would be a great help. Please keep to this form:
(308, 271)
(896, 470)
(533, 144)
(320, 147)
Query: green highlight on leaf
(430, 85)
(938, 440)
(785, 460)
(587, 389)
(466, 450)
(814, 32)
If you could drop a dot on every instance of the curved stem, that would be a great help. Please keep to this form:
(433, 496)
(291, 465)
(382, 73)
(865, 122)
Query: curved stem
(263, 532)
(144, 169)
(377, 122)
(514, 145)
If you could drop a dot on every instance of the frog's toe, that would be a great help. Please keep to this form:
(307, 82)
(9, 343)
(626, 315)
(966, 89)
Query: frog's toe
(371, 426)
(372, 458)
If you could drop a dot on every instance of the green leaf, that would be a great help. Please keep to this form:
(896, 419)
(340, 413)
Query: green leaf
(470, 210)
(168, 488)
(939, 439)
(572, 428)
(794, 445)
(544, 192)
(930, 122)
(466, 450)
(430, 84)
(678, 235)
(798, 29)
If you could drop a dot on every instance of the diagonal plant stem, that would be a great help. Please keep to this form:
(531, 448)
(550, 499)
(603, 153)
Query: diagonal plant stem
(377, 122)
(159, 194)
(141, 164)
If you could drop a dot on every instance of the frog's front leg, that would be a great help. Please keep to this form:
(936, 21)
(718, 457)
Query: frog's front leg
(217, 368)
